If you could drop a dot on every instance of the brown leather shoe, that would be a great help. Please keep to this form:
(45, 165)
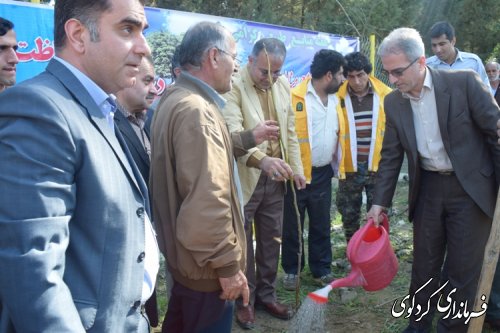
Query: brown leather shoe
(276, 309)
(245, 316)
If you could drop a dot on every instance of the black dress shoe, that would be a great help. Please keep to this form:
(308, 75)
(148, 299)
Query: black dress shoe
(245, 316)
(275, 309)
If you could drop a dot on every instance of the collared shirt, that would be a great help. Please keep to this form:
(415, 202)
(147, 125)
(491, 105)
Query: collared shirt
(214, 95)
(464, 60)
(152, 259)
(493, 90)
(137, 121)
(433, 156)
(98, 95)
(325, 127)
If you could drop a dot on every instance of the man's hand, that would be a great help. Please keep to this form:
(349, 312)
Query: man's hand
(300, 181)
(276, 168)
(234, 286)
(498, 130)
(266, 130)
(375, 213)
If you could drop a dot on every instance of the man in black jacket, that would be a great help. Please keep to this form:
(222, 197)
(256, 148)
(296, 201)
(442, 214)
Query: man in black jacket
(130, 119)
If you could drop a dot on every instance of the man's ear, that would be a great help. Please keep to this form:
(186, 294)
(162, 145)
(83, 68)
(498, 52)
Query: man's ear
(76, 35)
(453, 41)
(213, 57)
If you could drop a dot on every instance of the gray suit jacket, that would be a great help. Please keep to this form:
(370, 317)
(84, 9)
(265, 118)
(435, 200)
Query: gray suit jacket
(467, 116)
(71, 213)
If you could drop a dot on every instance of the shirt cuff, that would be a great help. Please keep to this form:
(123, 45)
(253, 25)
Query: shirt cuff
(247, 139)
(253, 160)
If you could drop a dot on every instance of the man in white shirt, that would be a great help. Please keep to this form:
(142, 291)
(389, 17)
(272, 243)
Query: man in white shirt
(316, 125)
(493, 70)
(447, 56)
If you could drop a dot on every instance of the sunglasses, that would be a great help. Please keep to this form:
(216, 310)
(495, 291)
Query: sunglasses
(398, 72)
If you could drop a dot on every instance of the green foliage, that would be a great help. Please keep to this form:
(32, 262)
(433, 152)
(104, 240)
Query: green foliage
(477, 22)
(162, 47)
(495, 54)
(478, 26)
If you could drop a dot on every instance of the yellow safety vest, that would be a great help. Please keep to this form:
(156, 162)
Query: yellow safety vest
(299, 107)
(346, 163)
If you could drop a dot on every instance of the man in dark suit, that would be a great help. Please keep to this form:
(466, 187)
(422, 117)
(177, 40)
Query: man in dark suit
(132, 120)
(445, 122)
(77, 250)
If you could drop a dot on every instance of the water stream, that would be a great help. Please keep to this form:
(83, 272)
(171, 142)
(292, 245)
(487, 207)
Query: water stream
(309, 318)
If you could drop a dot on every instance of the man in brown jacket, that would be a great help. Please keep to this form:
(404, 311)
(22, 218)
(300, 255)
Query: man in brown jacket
(195, 187)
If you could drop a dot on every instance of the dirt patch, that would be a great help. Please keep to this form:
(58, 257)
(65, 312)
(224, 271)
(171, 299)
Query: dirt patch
(356, 310)
(362, 312)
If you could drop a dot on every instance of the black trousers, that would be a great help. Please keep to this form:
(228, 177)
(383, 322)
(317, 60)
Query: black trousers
(191, 311)
(446, 222)
(316, 198)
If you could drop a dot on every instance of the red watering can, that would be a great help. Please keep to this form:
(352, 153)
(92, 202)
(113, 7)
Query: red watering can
(372, 258)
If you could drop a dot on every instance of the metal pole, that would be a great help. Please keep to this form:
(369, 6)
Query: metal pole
(372, 51)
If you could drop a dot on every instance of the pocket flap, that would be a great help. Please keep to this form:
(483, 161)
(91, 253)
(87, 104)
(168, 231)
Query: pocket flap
(87, 312)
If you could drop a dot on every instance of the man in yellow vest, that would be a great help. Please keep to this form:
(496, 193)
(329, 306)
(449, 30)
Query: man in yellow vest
(316, 126)
(361, 115)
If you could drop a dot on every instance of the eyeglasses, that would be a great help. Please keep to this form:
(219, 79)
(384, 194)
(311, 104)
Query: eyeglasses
(274, 74)
(398, 72)
(234, 56)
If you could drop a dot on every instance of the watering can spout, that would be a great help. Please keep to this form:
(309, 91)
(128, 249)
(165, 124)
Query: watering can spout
(354, 279)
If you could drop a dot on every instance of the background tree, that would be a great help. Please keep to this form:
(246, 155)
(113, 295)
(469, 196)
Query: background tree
(162, 47)
(478, 26)
(477, 22)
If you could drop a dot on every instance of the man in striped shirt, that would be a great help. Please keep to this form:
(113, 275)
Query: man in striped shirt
(360, 110)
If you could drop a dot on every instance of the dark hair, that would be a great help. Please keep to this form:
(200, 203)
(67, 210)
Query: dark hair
(5, 26)
(272, 45)
(87, 12)
(442, 28)
(357, 61)
(198, 39)
(325, 61)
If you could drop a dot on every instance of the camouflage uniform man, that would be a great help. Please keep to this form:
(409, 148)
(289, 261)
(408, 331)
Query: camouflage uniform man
(361, 115)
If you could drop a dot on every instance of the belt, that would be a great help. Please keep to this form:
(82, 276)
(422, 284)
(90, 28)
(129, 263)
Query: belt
(442, 172)
(321, 167)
